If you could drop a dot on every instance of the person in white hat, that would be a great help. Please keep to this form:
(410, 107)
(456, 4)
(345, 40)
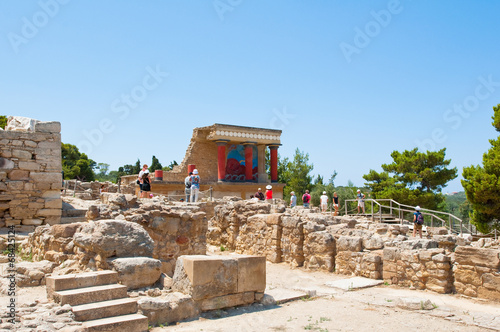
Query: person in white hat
(323, 202)
(269, 192)
(293, 199)
(418, 221)
(361, 201)
(195, 186)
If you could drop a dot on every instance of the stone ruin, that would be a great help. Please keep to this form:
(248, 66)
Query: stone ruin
(30, 173)
(158, 247)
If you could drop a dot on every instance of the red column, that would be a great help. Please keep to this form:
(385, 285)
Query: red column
(248, 162)
(221, 160)
(274, 163)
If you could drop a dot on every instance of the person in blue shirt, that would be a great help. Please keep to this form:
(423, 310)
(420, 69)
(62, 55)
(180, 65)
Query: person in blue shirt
(195, 186)
(416, 226)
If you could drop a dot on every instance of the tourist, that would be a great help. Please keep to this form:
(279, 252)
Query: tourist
(336, 203)
(323, 202)
(141, 173)
(293, 199)
(306, 198)
(253, 198)
(269, 192)
(417, 227)
(259, 194)
(195, 186)
(187, 185)
(360, 197)
(146, 185)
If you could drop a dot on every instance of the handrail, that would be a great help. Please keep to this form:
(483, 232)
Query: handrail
(402, 208)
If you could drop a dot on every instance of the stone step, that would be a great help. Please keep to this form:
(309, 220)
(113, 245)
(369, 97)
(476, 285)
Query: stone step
(72, 281)
(104, 309)
(125, 323)
(70, 220)
(90, 294)
(74, 212)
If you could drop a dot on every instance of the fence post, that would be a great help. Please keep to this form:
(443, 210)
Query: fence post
(211, 198)
(74, 190)
(373, 217)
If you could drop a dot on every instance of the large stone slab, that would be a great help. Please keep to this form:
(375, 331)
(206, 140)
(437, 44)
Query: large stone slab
(251, 274)
(472, 256)
(206, 276)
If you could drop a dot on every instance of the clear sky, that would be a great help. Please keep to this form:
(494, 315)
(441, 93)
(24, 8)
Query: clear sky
(348, 82)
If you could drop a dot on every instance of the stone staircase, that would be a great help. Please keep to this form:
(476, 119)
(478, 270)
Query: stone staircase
(97, 300)
(70, 214)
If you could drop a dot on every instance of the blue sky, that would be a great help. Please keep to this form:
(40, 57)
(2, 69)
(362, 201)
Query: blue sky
(348, 82)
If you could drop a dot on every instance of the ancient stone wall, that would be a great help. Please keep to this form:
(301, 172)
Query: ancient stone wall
(30, 175)
(442, 263)
(477, 272)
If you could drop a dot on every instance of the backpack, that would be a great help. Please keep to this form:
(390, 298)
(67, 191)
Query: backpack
(420, 219)
(188, 185)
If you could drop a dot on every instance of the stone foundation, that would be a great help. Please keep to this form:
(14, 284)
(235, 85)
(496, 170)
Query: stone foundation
(30, 174)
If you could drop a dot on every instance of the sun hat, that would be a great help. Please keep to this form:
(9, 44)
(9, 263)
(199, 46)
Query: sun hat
(269, 186)
(324, 192)
(195, 171)
(293, 192)
(260, 189)
(417, 208)
(359, 190)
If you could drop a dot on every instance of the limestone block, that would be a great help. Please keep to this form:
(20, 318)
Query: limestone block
(49, 212)
(391, 255)
(53, 203)
(6, 163)
(52, 220)
(15, 185)
(274, 219)
(114, 238)
(3, 176)
(440, 258)
(21, 212)
(173, 307)
(35, 205)
(468, 277)
(227, 301)
(47, 127)
(32, 222)
(489, 258)
(20, 123)
(21, 154)
(374, 242)
(3, 186)
(486, 293)
(18, 174)
(206, 276)
(47, 177)
(491, 281)
(52, 194)
(350, 243)
(29, 166)
(251, 274)
(65, 231)
(137, 272)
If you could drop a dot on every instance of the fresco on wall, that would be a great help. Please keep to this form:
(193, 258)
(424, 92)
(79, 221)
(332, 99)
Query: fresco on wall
(235, 163)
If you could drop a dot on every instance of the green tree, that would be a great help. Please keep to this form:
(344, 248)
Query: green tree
(3, 121)
(171, 166)
(76, 165)
(155, 164)
(482, 184)
(296, 174)
(413, 178)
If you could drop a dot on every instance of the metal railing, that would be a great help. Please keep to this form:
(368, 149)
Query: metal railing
(453, 223)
